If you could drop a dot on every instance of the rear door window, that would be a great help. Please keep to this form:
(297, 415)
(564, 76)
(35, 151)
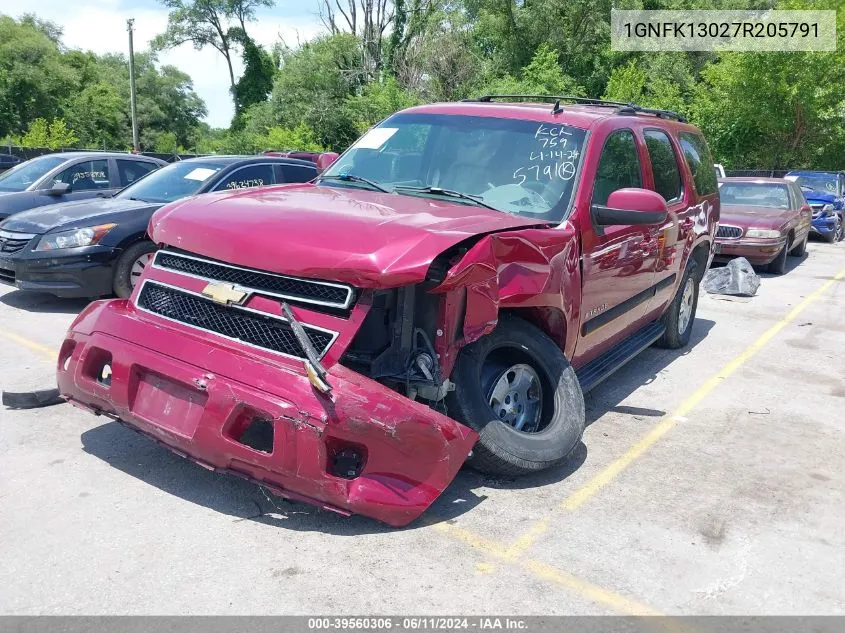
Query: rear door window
(619, 166)
(664, 165)
(246, 177)
(131, 170)
(700, 163)
(297, 173)
(86, 176)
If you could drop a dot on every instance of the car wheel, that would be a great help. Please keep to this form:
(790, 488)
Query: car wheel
(517, 390)
(778, 265)
(840, 233)
(680, 314)
(130, 266)
(801, 249)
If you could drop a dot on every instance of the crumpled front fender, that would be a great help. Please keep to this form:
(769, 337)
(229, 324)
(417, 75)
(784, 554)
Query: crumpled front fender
(534, 271)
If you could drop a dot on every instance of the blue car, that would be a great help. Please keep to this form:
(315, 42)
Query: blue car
(825, 192)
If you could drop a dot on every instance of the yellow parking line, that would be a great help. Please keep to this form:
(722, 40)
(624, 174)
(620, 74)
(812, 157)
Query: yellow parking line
(543, 571)
(36, 347)
(595, 593)
(668, 422)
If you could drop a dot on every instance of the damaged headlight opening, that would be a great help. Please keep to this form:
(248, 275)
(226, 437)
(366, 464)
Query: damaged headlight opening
(827, 209)
(764, 233)
(75, 238)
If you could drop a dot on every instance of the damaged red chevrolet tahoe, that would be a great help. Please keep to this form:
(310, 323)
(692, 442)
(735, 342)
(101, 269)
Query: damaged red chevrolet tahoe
(444, 292)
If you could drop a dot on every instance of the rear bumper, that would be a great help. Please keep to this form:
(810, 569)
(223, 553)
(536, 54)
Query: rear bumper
(196, 396)
(86, 274)
(757, 251)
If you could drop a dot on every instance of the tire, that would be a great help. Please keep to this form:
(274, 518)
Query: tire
(840, 234)
(778, 265)
(484, 366)
(124, 275)
(801, 249)
(675, 335)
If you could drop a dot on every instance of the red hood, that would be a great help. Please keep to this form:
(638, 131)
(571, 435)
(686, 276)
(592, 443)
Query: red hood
(754, 217)
(364, 238)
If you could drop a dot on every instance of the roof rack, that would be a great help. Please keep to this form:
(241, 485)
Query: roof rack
(620, 106)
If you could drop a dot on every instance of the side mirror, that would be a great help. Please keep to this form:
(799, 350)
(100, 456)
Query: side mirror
(58, 189)
(325, 159)
(631, 206)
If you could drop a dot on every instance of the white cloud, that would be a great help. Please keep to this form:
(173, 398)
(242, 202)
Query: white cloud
(100, 26)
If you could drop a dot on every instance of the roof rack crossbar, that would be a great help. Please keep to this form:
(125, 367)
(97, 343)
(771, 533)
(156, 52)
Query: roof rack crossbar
(621, 106)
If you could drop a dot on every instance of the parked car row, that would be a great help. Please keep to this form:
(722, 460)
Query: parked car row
(444, 292)
(97, 246)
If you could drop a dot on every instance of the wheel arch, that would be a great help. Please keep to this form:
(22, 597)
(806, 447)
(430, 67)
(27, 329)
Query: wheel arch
(551, 320)
(701, 256)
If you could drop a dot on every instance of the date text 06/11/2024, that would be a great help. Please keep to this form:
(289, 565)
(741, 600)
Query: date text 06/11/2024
(416, 623)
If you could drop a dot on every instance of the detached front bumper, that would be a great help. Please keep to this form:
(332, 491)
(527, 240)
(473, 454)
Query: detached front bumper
(823, 225)
(757, 251)
(85, 272)
(197, 396)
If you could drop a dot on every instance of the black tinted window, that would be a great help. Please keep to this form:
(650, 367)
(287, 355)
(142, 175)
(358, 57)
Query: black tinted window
(91, 174)
(697, 155)
(250, 176)
(131, 170)
(619, 166)
(664, 165)
(298, 173)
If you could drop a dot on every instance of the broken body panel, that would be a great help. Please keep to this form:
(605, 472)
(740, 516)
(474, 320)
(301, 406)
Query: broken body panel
(425, 277)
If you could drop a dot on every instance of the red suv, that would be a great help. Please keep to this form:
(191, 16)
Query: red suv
(445, 292)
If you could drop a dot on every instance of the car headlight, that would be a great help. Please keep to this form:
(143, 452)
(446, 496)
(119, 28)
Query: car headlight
(764, 233)
(827, 209)
(74, 238)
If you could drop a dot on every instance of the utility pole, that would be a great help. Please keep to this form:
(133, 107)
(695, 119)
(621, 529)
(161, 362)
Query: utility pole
(135, 145)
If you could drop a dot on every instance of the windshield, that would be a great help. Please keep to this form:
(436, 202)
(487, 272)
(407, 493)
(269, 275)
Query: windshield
(753, 194)
(522, 167)
(817, 182)
(21, 177)
(172, 182)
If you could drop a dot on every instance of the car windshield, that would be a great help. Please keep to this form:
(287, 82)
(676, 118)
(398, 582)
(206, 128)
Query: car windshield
(817, 182)
(172, 182)
(752, 194)
(23, 176)
(525, 168)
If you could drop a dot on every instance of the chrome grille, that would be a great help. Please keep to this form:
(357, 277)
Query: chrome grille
(247, 326)
(731, 232)
(312, 291)
(13, 242)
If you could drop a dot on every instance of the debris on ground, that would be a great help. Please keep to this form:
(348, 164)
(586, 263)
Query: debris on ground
(737, 278)
(31, 399)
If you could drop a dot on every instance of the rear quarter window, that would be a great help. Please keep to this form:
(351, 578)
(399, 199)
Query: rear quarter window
(700, 162)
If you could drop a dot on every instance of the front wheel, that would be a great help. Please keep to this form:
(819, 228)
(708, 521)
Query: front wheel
(517, 390)
(680, 314)
(801, 249)
(130, 266)
(778, 265)
(840, 232)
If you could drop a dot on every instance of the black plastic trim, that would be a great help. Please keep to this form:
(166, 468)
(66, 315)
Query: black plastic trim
(626, 306)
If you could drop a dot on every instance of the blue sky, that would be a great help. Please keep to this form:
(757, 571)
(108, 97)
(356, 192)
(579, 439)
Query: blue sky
(100, 26)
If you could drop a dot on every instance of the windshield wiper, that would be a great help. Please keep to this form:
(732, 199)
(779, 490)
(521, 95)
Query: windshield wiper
(347, 177)
(450, 193)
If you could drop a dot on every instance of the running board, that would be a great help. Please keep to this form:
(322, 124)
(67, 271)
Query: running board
(605, 365)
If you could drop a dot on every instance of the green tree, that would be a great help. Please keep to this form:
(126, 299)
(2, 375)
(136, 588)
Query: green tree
(312, 87)
(256, 82)
(542, 75)
(220, 24)
(54, 134)
(33, 79)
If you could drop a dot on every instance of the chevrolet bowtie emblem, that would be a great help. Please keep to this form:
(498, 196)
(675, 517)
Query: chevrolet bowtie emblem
(224, 294)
